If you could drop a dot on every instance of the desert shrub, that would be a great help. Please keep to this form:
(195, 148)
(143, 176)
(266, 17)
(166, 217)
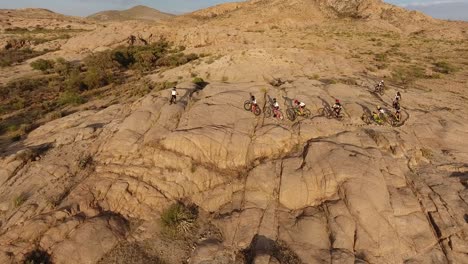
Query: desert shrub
(408, 74)
(145, 60)
(381, 57)
(427, 153)
(225, 79)
(96, 77)
(85, 161)
(25, 84)
(70, 98)
(10, 57)
(19, 200)
(444, 67)
(198, 81)
(164, 85)
(63, 67)
(37, 256)
(178, 220)
(14, 30)
(192, 57)
(123, 57)
(74, 81)
(42, 65)
(102, 60)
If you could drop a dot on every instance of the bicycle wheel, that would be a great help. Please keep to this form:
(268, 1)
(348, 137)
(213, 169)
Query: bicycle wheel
(366, 119)
(247, 105)
(257, 111)
(307, 113)
(290, 114)
(321, 111)
(267, 112)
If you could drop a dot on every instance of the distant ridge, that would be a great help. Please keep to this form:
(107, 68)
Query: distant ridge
(135, 13)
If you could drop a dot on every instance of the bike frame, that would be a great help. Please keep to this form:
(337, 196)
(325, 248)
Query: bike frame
(277, 113)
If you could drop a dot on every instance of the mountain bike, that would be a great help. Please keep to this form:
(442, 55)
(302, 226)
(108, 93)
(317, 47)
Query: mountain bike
(393, 119)
(379, 89)
(270, 110)
(369, 119)
(329, 113)
(293, 112)
(254, 108)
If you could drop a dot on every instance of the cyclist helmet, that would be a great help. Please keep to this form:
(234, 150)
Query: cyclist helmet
(274, 99)
(173, 88)
(296, 101)
(337, 101)
(378, 107)
(252, 97)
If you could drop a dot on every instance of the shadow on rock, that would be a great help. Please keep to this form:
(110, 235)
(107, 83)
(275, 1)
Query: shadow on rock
(37, 256)
(262, 245)
(288, 101)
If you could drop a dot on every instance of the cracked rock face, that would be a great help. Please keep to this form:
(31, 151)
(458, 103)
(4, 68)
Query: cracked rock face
(314, 191)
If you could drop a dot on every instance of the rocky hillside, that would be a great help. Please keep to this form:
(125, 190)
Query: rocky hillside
(134, 13)
(109, 171)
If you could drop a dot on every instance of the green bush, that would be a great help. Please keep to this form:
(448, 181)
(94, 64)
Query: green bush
(145, 60)
(96, 77)
(42, 65)
(74, 81)
(70, 98)
(102, 60)
(198, 81)
(123, 57)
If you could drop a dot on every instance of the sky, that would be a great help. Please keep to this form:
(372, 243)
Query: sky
(446, 9)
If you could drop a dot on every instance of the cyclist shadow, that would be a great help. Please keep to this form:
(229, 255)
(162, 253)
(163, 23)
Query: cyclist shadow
(288, 101)
(365, 109)
(189, 92)
(325, 104)
(269, 100)
(198, 87)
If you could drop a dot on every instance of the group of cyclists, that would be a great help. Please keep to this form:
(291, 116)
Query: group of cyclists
(299, 106)
(381, 114)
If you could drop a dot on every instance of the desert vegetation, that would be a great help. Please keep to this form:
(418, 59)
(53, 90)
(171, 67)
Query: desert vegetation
(11, 57)
(178, 220)
(64, 84)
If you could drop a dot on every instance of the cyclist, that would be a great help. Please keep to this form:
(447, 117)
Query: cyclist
(300, 106)
(381, 110)
(253, 100)
(396, 104)
(398, 112)
(397, 97)
(275, 107)
(174, 95)
(396, 101)
(337, 107)
(377, 118)
(381, 84)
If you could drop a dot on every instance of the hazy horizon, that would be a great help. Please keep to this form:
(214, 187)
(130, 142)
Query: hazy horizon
(443, 9)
